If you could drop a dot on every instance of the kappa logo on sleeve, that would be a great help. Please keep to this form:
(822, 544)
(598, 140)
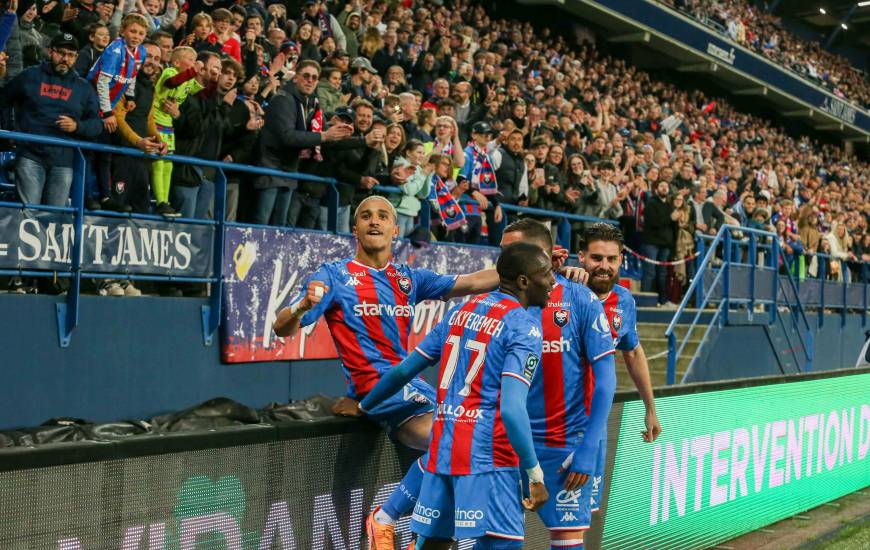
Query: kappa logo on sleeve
(531, 366)
(535, 332)
(601, 324)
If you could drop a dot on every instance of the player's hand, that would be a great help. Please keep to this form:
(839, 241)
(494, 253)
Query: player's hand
(315, 293)
(560, 256)
(575, 480)
(345, 406)
(130, 105)
(537, 496)
(576, 274)
(653, 428)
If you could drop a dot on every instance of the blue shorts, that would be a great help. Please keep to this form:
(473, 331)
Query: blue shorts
(416, 398)
(470, 506)
(564, 510)
(598, 479)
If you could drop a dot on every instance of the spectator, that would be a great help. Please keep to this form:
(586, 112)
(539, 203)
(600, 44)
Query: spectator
(293, 130)
(426, 123)
(684, 242)
(88, 56)
(222, 19)
(315, 12)
(174, 86)
(44, 173)
(408, 174)
(360, 77)
(713, 212)
(351, 24)
(85, 14)
(200, 127)
(34, 44)
(480, 173)
(329, 90)
(839, 243)
(447, 140)
(391, 54)
(657, 241)
(511, 170)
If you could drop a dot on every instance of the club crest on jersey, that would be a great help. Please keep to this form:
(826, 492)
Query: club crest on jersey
(560, 317)
(405, 284)
(616, 321)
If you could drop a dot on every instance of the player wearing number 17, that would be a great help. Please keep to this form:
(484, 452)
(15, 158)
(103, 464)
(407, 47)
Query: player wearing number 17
(488, 350)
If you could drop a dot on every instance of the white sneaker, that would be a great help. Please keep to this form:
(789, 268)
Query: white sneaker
(130, 290)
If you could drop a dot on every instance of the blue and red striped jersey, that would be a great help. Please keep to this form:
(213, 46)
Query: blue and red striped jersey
(479, 342)
(576, 334)
(621, 312)
(114, 73)
(369, 313)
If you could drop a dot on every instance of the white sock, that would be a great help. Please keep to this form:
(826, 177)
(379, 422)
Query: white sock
(384, 518)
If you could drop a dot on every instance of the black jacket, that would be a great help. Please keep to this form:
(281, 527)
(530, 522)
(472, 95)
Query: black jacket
(199, 132)
(239, 142)
(342, 160)
(284, 135)
(509, 174)
(658, 227)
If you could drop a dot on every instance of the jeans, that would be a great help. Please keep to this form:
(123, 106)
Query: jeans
(304, 212)
(40, 184)
(657, 274)
(192, 202)
(494, 230)
(406, 225)
(272, 206)
(342, 221)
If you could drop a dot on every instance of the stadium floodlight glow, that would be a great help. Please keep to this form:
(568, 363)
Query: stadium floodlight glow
(822, 11)
(863, 4)
(844, 26)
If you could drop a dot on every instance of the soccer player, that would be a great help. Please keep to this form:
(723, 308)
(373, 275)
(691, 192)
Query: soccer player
(601, 255)
(369, 304)
(488, 349)
(568, 413)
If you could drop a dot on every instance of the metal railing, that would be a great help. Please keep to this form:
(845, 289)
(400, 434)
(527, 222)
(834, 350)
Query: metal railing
(68, 310)
(761, 262)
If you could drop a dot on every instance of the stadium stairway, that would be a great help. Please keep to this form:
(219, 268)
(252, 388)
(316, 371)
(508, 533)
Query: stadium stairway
(651, 325)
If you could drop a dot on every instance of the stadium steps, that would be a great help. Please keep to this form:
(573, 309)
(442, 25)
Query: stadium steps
(652, 336)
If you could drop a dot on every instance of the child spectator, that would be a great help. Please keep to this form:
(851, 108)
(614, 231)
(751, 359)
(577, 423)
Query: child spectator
(151, 10)
(224, 34)
(34, 44)
(414, 188)
(203, 37)
(176, 84)
(99, 36)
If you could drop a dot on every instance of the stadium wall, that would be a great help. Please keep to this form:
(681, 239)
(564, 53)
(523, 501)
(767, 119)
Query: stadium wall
(139, 357)
(748, 460)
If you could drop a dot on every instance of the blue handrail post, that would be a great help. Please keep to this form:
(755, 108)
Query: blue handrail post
(753, 253)
(699, 289)
(726, 277)
(672, 359)
(844, 270)
(563, 234)
(68, 311)
(332, 211)
(774, 260)
(211, 313)
(864, 276)
(823, 262)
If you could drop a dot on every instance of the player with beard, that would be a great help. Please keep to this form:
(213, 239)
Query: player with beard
(601, 255)
(568, 414)
(51, 99)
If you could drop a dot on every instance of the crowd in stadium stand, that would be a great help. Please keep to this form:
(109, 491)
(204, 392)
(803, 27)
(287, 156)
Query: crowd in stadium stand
(460, 111)
(760, 30)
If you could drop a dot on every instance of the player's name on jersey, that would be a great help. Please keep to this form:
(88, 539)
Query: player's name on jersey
(478, 323)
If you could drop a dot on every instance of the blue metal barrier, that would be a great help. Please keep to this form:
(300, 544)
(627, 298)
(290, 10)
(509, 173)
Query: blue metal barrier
(68, 311)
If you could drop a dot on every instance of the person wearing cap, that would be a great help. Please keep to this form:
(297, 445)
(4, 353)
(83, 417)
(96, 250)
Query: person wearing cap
(340, 60)
(361, 72)
(50, 99)
(316, 13)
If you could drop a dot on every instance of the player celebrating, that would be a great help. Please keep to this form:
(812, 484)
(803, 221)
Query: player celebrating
(568, 414)
(481, 434)
(601, 255)
(369, 304)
